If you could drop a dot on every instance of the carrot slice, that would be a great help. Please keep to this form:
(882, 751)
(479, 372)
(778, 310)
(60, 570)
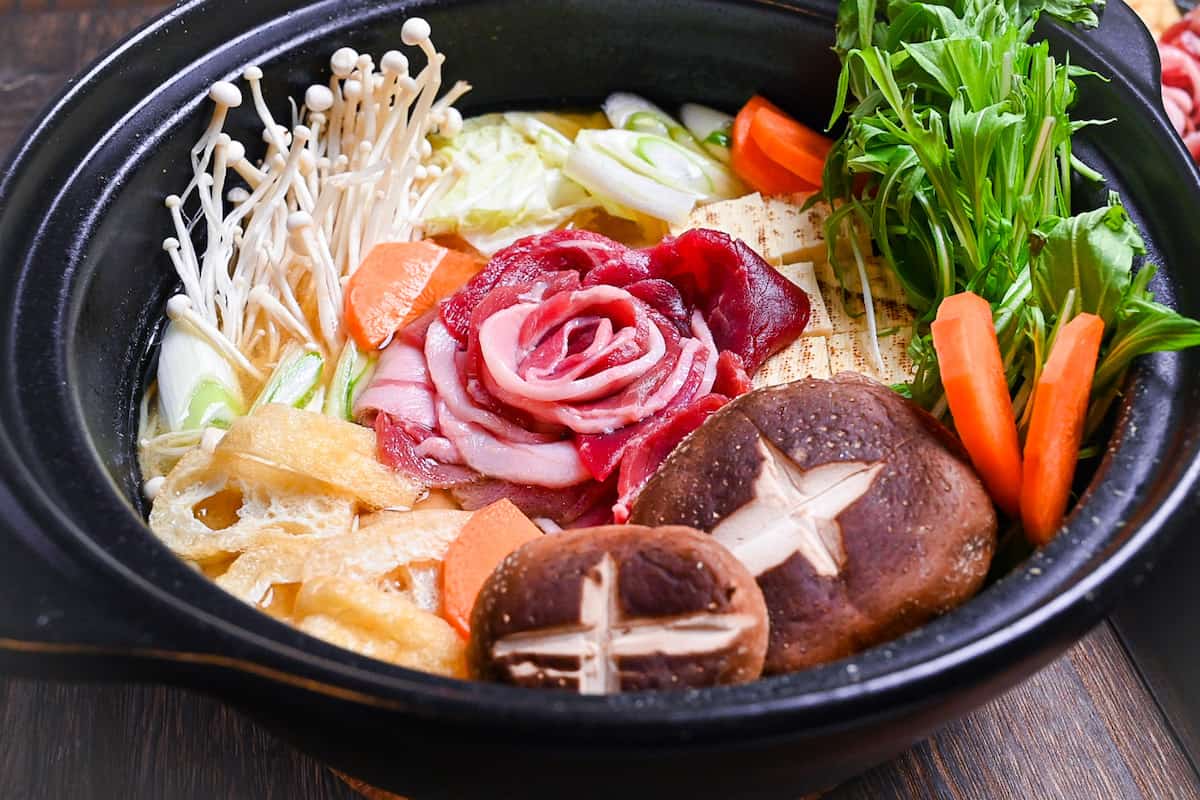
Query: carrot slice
(396, 283)
(488, 537)
(753, 165)
(455, 269)
(790, 144)
(1060, 404)
(968, 352)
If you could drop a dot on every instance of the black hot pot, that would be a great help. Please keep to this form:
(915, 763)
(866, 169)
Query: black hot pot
(87, 592)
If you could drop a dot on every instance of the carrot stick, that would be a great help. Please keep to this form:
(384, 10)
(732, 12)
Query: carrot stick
(753, 165)
(968, 352)
(488, 537)
(396, 283)
(1060, 404)
(790, 144)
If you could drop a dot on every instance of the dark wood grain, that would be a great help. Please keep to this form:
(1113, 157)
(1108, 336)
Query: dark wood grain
(1085, 727)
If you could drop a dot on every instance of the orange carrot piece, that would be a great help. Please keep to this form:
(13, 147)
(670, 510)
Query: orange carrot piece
(488, 537)
(396, 283)
(968, 352)
(753, 165)
(1060, 404)
(790, 144)
(455, 269)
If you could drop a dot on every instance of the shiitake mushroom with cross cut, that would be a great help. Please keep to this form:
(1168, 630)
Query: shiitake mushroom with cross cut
(619, 608)
(859, 514)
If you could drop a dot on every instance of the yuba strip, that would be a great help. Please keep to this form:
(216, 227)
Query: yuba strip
(973, 378)
(1056, 429)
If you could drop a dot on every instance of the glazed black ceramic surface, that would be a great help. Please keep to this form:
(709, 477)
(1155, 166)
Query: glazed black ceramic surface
(87, 591)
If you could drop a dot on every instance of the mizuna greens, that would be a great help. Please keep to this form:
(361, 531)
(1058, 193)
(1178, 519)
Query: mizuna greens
(957, 156)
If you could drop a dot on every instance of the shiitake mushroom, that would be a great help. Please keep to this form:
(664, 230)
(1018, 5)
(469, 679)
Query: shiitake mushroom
(857, 512)
(619, 608)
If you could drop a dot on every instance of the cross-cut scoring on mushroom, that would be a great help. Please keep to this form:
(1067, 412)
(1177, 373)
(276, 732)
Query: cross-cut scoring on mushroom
(795, 511)
(610, 609)
(604, 636)
(859, 514)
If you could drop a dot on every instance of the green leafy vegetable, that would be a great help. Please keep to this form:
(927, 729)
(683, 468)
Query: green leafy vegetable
(958, 133)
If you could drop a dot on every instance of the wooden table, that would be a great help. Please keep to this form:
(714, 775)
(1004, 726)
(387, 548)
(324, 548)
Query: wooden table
(1085, 727)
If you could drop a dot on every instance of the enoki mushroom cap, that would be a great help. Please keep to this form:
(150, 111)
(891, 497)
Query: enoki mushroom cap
(224, 93)
(178, 305)
(235, 151)
(415, 31)
(318, 98)
(343, 61)
(394, 63)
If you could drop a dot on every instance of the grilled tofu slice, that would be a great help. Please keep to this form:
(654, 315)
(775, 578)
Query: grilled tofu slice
(744, 218)
(804, 275)
(846, 307)
(851, 352)
(884, 283)
(798, 234)
(807, 357)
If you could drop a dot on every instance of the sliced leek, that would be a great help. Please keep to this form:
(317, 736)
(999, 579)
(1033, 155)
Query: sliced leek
(624, 192)
(350, 376)
(712, 128)
(633, 113)
(295, 380)
(667, 162)
(197, 386)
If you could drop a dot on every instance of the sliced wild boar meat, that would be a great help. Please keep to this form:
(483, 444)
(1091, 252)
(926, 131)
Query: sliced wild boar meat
(568, 353)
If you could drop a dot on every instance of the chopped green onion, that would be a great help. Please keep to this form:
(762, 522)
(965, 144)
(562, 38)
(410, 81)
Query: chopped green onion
(350, 377)
(629, 112)
(294, 381)
(712, 128)
(197, 387)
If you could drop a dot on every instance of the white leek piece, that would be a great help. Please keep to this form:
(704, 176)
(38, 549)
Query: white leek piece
(350, 376)
(622, 190)
(667, 162)
(197, 386)
(712, 128)
(295, 380)
(630, 112)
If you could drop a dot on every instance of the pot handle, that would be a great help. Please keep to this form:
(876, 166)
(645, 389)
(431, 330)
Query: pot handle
(56, 620)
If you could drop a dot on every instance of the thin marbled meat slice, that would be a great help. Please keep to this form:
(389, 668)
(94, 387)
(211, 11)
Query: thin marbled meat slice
(751, 308)
(669, 429)
(399, 446)
(564, 507)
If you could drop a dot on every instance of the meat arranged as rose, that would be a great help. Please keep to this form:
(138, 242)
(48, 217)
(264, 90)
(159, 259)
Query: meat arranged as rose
(563, 373)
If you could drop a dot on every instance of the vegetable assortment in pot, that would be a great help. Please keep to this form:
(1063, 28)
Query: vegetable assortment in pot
(785, 391)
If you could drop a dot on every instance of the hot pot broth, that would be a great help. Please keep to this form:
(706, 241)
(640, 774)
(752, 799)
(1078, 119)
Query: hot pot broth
(412, 345)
